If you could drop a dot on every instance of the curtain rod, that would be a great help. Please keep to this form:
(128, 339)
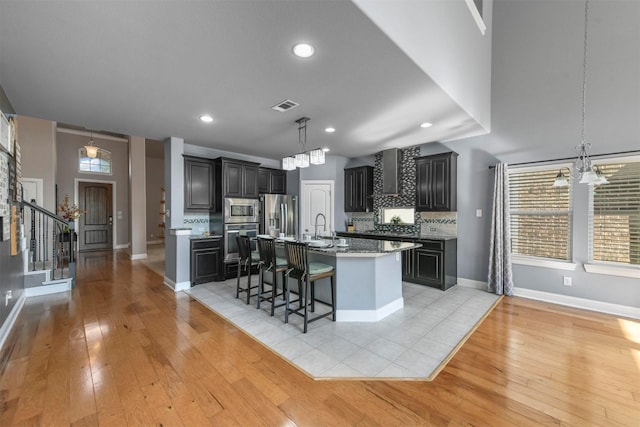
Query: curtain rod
(570, 158)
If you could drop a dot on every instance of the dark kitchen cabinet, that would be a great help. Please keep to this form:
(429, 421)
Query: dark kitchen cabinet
(358, 189)
(434, 264)
(272, 181)
(199, 185)
(206, 260)
(238, 178)
(436, 182)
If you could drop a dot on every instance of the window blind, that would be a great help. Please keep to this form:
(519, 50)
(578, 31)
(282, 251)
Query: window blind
(614, 215)
(541, 215)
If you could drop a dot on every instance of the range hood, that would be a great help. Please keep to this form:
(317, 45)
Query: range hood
(391, 171)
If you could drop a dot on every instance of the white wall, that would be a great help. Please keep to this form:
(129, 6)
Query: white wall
(442, 38)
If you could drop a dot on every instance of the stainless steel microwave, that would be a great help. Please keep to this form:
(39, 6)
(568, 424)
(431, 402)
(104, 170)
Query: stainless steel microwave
(238, 211)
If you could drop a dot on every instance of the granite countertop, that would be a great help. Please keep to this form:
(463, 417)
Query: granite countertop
(202, 236)
(400, 235)
(365, 247)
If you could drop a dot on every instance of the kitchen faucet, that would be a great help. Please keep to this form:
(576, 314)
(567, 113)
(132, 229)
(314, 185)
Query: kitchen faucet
(324, 225)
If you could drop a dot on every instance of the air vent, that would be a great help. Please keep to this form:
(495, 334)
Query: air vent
(285, 105)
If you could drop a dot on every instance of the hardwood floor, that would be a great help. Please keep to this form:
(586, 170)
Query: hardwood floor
(123, 349)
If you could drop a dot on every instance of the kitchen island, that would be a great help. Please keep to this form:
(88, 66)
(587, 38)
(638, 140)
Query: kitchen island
(368, 275)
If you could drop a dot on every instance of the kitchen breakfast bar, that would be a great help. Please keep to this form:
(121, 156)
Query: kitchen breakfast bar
(368, 275)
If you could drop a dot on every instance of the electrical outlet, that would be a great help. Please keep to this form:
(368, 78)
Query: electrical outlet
(7, 296)
(567, 281)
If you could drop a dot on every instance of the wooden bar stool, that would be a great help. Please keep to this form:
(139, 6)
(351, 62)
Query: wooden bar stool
(246, 259)
(270, 263)
(299, 267)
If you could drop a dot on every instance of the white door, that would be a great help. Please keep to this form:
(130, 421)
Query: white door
(316, 199)
(32, 190)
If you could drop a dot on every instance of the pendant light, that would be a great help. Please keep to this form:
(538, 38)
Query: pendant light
(92, 150)
(303, 158)
(584, 170)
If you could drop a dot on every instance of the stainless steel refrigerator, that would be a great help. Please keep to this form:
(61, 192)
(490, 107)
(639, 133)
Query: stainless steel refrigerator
(279, 214)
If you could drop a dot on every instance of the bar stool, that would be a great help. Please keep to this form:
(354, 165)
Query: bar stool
(270, 263)
(246, 259)
(299, 267)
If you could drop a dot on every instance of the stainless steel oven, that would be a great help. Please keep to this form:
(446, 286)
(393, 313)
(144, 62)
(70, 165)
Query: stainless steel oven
(240, 211)
(230, 233)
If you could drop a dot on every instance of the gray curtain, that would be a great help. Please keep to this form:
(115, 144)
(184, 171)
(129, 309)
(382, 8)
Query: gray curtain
(500, 274)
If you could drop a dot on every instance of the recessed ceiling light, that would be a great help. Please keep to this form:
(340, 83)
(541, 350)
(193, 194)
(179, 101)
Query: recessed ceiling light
(330, 130)
(325, 149)
(426, 125)
(206, 118)
(303, 50)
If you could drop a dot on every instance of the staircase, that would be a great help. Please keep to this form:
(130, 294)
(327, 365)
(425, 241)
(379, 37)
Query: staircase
(50, 266)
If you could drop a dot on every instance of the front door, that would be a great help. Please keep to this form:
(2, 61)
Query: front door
(95, 227)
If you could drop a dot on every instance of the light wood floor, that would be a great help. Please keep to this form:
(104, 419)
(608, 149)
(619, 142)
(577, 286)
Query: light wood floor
(123, 349)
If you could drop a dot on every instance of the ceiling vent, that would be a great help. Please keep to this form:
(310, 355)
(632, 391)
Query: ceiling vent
(285, 105)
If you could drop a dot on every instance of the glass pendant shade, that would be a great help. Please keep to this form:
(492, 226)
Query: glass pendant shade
(601, 178)
(92, 150)
(316, 157)
(561, 180)
(288, 163)
(302, 160)
(589, 177)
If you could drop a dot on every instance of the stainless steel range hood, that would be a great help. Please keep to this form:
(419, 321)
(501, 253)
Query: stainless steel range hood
(391, 171)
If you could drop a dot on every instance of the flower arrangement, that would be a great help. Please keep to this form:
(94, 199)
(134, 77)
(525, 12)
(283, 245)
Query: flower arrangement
(68, 210)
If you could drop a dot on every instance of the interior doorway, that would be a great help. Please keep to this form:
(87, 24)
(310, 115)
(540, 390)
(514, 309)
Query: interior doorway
(316, 197)
(95, 227)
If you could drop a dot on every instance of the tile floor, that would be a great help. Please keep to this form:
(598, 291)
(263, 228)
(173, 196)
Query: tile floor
(411, 343)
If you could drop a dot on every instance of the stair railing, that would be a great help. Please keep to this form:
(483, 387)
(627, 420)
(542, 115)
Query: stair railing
(51, 234)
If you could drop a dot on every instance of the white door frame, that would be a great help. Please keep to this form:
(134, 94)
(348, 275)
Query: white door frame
(304, 195)
(39, 182)
(114, 229)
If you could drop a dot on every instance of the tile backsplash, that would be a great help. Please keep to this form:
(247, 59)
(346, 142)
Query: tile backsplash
(439, 223)
(199, 223)
(407, 186)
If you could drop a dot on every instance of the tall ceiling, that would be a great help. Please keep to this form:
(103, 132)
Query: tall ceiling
(152, 68)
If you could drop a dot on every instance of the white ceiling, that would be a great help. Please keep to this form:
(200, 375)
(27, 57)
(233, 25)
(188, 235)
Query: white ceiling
(151, 68)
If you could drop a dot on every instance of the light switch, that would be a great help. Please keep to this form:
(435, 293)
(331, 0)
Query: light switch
(478, 213)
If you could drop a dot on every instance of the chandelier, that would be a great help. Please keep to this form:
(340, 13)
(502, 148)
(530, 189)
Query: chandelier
(304, 158)
(92, 150)
(583, 169)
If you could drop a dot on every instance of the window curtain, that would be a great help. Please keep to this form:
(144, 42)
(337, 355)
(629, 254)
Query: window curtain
(500, 274)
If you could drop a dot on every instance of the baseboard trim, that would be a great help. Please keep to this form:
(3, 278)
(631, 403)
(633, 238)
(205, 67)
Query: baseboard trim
(583, 303)
(49, 289)
(176, 287)
(8, 324)
(125, 246)
(155, 242)
(469, 283)
(369, 315)
(134, 257)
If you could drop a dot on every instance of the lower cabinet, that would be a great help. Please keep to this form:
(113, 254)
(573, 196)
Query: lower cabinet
(435, 264)
(206, 260)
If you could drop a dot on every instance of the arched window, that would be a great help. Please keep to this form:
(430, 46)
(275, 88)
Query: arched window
(101, 164)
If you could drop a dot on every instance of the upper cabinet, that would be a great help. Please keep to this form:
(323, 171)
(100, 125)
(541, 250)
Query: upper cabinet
(436, 182)
(358, 189)
(199, 189)
(238, 178)
(272, 181)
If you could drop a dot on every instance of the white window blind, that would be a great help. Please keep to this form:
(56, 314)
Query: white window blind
(541, 215)
(614, 214)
